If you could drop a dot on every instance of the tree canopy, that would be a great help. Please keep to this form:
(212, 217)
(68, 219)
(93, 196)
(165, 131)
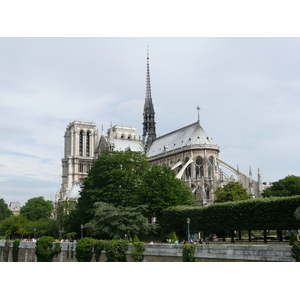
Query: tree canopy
(5, 212)
(232, 191)
(127, 179)
(288, 186)
(37, 208)
(161, 189)
(118, 222)
(114, 178)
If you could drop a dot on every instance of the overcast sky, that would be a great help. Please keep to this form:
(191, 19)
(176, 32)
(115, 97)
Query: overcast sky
(247, 88)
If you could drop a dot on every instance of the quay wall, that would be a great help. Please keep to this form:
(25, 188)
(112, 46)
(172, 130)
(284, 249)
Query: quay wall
(164, 253)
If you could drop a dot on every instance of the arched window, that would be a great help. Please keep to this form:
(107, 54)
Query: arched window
(199, 167)
(81, 143)
(88, 140)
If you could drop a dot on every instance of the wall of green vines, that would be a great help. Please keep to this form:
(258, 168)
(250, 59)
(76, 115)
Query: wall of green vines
(136, 251)
(188, 253)
(44, 250)
(15, 250)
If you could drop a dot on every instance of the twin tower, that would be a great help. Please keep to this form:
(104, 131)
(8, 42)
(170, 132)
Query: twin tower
(188, 150)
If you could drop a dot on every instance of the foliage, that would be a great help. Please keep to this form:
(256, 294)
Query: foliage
(188, 253)
(256, 214)
(98, 247)
(44, 249)
(232, 191)
(297, 213)
(288, 186)
(5, 212)
(114, 178)
(295, 251)
(118, 222)
(161, 189)
(65, 213)
(37, 208)
(135, 239)
(43, 227)
(15, 250)
(15, 226)
(115, 250)
(136, 251)
(84, 249)
(173, 236)
(293, 238)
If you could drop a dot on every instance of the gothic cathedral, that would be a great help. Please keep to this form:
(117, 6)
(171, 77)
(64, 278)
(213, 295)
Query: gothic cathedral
(188, 150)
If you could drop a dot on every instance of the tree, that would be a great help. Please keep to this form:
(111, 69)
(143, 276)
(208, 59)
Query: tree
(15, 226)
(288, 186)
(37, 208)
(5, 212)
(44, 227)
(118, 222)
(65, 213)
(232, 191)
(114, 178)
(161, 189)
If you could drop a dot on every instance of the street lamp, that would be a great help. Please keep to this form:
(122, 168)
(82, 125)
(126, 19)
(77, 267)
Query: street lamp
(81, 226)
(188, 228)
(34, 233)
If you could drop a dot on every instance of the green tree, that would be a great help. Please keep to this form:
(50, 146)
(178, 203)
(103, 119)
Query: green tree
(65, 214)
(118, 222)
(37, 208)
(5, 212)
(15, 226)
(288, 186)
(44, 227)
(232, 191)
(114, 178)
(160, 189)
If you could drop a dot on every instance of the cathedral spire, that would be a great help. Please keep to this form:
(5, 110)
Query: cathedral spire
(149, 131)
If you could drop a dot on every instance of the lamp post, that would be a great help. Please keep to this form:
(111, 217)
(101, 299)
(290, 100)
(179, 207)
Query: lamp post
(188, 228)
(81, 226)
(34, 232)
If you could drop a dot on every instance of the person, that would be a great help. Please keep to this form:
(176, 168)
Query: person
(203, 242)
(176, 242)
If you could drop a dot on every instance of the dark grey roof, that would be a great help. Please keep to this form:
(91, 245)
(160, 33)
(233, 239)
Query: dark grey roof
(190, 135)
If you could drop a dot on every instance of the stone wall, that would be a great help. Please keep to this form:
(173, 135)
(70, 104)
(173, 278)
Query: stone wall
(164, 253)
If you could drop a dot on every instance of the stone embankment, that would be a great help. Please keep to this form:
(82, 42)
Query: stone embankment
(165, 253)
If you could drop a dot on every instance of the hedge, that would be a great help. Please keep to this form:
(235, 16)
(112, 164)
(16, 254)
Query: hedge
(255, 214)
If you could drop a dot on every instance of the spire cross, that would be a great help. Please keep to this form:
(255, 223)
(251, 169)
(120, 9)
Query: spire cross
(198, 108)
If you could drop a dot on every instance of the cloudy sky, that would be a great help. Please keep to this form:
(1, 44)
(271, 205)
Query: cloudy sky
(247, 88)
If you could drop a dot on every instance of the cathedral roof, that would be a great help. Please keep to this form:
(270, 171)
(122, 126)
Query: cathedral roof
(128, 144)
(191, 135)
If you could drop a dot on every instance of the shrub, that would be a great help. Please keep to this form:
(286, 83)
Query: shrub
(135, 239)
(137, 252)
(44, 249)
(84, 249)
(115, 250)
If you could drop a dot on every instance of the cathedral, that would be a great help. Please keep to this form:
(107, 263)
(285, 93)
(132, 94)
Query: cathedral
(189, 151)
